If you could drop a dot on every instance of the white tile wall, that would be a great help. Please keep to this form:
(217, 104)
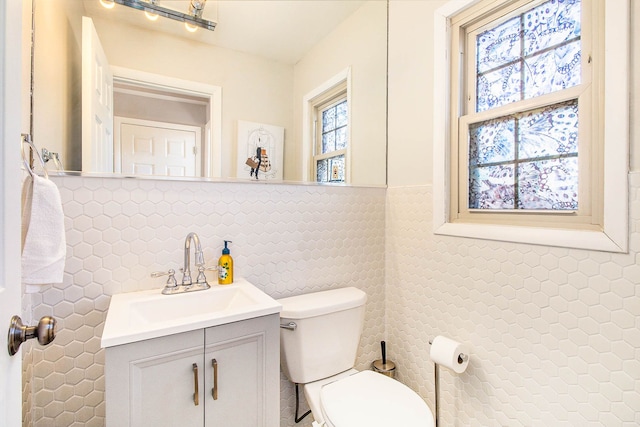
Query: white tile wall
(554, 333)
(287, 239)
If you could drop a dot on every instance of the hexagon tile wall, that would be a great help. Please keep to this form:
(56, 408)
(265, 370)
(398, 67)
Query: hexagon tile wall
(554, 332)
(287, 239)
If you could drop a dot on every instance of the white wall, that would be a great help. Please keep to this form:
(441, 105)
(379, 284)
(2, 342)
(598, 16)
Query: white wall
(411, 91)
(552, 331)
(359, 43)
(56, 83)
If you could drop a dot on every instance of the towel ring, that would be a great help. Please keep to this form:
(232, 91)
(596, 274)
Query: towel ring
(26, 139)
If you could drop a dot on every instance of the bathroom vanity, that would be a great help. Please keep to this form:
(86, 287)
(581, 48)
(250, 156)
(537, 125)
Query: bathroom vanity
(213, 370)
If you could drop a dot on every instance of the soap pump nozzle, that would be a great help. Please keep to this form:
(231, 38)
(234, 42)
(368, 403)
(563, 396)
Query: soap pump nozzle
(226, 251)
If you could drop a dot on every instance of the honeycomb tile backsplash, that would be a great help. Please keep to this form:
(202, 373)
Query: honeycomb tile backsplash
(554, 332)
(287, 240)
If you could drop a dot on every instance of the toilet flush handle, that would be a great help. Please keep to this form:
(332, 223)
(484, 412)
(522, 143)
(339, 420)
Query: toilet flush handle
(290, 326)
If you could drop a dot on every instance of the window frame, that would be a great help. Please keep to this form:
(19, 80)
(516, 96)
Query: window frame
(329, 100)
(324, 93)
(610, 211)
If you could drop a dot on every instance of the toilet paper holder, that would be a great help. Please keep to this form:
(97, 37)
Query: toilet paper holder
(462, 358)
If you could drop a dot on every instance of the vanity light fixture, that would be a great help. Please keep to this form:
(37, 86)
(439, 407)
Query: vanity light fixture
(194, 19)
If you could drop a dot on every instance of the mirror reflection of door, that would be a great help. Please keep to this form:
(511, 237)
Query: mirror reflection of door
(97, 103)
(181, 117)
(162, 149)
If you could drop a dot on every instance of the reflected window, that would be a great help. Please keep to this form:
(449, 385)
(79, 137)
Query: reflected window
(331, 136)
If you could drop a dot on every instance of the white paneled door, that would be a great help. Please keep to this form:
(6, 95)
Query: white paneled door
(10, 289)
(97, 103)
(152, 148)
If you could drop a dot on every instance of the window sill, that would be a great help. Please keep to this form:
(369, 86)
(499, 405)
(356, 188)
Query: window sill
(579, 239)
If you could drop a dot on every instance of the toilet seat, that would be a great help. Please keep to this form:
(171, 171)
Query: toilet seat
(370, 399)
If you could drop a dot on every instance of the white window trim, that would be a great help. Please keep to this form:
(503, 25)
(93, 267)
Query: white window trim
(614, 236)
(307, 123)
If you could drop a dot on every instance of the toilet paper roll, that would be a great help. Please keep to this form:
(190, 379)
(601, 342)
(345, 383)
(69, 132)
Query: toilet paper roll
(449, 353)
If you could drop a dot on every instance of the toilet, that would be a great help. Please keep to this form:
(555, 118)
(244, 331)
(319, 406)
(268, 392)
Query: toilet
(319, 338)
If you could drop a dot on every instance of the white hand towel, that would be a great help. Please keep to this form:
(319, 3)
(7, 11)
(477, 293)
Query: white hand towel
(44, 246)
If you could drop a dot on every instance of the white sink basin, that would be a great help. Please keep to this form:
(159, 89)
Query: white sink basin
(138, 316)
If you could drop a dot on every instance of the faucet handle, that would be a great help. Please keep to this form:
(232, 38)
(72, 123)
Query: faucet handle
(171, 284)
(186, 277)
(171, 273)
(202, 279)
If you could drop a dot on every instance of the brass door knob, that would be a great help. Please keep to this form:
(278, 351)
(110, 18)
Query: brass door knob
(44, 331)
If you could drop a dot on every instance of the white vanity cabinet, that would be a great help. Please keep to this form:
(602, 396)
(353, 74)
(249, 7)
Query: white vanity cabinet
(226, 376)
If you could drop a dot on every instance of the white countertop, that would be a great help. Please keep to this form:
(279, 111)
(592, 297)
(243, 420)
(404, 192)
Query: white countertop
(137, 316)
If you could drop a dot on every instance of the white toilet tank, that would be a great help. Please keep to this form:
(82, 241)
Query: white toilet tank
(327, 334)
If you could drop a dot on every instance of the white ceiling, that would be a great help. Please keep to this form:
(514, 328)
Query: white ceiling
(279, 29)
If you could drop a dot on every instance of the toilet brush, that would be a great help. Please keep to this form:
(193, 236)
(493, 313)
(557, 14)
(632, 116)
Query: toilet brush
(383, 366)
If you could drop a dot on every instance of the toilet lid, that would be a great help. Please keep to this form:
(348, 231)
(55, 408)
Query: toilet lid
(373, 400)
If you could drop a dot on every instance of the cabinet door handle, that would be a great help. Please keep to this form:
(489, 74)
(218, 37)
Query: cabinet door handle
(214, 391)
(196, 399)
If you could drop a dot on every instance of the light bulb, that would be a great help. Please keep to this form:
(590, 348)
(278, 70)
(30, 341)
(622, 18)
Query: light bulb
(190, 28)
(151, 16)
(109, 4)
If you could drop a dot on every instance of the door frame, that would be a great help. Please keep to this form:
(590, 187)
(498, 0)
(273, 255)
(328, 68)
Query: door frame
(213, 128)
(10, 129)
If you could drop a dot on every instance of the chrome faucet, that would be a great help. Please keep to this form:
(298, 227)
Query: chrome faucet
(171, 287)
(186, 271)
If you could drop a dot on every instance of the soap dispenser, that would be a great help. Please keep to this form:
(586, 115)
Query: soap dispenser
(225, 266)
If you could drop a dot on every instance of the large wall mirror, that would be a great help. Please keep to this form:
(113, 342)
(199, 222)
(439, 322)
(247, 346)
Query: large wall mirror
(298, 86)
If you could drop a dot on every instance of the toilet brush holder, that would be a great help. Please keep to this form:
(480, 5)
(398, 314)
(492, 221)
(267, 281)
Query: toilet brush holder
(388, 369)
(384, 366)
